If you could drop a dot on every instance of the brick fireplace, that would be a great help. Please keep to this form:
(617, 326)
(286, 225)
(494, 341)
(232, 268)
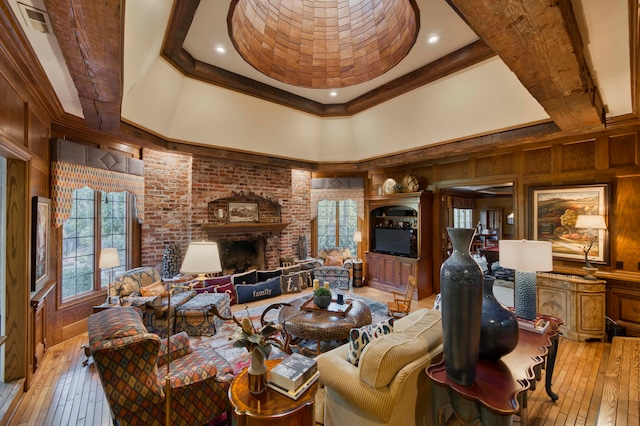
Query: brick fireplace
(242, 255)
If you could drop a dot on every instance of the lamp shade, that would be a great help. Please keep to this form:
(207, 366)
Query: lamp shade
(109, 258)
(526, 255)
(201, 258)
(357, 236)
(591, 221)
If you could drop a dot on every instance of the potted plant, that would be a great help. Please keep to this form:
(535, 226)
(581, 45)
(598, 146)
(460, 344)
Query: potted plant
(322, 297)
(257, 341)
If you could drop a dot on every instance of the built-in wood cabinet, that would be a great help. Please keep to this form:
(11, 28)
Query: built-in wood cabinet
(623, 300)
(410, 214)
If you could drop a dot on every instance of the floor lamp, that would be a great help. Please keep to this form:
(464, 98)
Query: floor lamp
(357, 238)
(593, 224)
(201, 258)
(109, 259)
(526, 257)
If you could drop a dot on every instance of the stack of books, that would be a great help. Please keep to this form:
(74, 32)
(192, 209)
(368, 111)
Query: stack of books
(294, 375)
(540, 325)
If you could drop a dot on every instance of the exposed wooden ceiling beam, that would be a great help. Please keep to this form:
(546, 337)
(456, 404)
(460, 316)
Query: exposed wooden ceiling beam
(540, 42)
(90, 35)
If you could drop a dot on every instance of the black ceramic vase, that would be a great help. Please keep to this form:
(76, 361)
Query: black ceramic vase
(461, 288)
(499, 331)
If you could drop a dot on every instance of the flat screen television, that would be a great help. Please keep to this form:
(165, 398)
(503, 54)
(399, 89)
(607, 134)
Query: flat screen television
(394, 241)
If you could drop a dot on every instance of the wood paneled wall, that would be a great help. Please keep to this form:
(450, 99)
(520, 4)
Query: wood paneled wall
(606, 157)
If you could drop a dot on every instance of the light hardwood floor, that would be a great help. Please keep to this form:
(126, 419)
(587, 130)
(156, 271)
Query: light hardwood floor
(65, 392)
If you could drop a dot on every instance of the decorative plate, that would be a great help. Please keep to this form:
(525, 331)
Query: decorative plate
(388, 187)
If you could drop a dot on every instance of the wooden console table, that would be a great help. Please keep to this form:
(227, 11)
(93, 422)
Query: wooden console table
(500, 387)
(270, 407)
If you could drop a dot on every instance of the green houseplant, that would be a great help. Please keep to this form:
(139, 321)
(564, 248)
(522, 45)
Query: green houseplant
(322, 297)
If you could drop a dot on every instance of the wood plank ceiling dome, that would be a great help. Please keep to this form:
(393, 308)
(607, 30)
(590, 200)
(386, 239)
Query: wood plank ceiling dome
(323, 43)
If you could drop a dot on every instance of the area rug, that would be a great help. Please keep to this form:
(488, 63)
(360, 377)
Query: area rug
(240, 358)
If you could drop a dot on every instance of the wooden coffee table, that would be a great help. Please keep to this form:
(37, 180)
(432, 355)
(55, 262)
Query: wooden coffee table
(270, 407)
(500, 388)
(319, 325)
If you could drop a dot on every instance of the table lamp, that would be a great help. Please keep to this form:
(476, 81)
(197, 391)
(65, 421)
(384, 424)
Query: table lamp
(202, 258)
(357, 238)
(109, 259)
(594, 224)
(526, 257)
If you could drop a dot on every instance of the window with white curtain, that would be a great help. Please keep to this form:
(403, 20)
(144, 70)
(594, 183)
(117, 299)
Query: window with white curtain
(462, 218)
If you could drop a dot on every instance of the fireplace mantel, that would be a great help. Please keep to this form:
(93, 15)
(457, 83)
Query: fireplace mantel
(230, 228)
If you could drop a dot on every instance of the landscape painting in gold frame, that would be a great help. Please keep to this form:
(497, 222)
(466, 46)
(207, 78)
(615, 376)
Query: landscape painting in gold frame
(554, 213)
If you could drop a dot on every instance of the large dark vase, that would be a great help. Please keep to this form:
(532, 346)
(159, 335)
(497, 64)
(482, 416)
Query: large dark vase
(461, 287)
(499, 331)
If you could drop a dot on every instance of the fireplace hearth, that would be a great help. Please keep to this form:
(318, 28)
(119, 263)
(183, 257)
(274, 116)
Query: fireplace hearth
(241, 256)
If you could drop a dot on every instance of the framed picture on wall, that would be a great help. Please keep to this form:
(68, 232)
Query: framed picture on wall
(554, 214)
(238, 212)
(40, 242)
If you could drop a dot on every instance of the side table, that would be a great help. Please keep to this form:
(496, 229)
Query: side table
(357, 273)
(270, 407)
(500, 388)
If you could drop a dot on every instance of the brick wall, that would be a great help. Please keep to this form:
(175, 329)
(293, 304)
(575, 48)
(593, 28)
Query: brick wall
(178, 189)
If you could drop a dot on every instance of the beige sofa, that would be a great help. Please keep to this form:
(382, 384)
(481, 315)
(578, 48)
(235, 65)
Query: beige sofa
(390, 385)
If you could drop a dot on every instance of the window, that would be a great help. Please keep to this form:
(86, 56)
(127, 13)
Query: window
(337, 221)
(462, 218)
(85, 233)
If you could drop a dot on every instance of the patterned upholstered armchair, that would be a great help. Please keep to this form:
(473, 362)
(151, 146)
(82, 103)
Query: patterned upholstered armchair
(132, 366)
(130, 286)
(336, 267)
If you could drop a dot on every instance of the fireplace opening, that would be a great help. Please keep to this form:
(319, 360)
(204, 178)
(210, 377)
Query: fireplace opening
(241, 256)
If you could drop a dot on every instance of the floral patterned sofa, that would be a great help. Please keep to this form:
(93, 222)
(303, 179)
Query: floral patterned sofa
(336, 267)
(132, 366)
(130, 287)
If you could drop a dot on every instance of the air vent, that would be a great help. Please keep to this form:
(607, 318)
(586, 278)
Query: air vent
(35, 19)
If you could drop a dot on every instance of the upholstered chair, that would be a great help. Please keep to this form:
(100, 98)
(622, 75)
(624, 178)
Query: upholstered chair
(336, 267)
(389, 386)
(132, 365)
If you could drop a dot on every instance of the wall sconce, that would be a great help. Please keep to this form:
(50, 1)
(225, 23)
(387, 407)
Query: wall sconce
(511, 218)
(593, 224)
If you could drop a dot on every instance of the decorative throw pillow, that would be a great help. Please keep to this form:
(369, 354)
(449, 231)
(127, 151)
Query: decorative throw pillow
(155, 289)
(266, 275)
(333, 261)
(290, 269)
(250, 277)
(225, 279)
(222, 288)
(291, 283)
(360, 337)
(259, 291)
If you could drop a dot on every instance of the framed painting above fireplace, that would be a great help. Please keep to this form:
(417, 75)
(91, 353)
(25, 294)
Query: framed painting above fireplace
(238, 212)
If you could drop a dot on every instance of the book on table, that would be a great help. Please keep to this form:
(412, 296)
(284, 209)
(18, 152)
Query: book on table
(296, 393)
(294, 371)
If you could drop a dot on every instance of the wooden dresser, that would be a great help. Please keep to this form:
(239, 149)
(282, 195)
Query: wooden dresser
(580, 303)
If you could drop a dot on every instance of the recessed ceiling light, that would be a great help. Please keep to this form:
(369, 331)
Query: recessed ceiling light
(334, 93)
(433, 39)
(220, 49)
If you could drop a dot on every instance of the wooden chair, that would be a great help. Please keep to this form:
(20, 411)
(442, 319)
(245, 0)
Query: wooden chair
(402, 301)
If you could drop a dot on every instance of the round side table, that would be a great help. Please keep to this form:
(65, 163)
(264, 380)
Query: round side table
(270, 407)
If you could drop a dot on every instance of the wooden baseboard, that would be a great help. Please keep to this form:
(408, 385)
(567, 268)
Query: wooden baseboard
(74, 329)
